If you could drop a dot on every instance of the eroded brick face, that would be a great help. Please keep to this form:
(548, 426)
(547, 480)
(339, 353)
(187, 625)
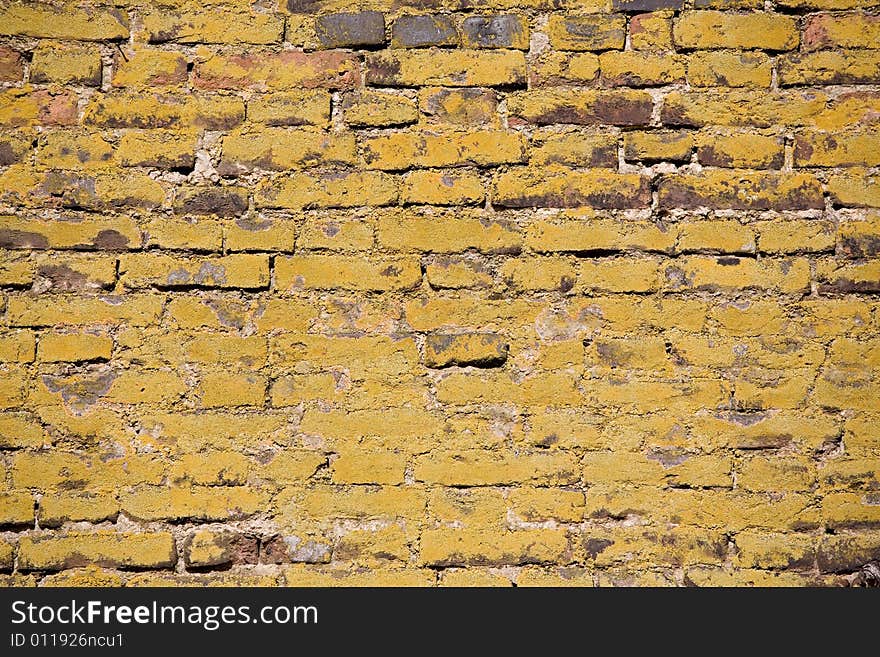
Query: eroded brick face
(317, 292)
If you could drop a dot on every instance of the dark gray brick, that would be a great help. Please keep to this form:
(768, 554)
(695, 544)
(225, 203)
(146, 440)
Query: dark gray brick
(502, 31)
(366, 28)
(422, 31)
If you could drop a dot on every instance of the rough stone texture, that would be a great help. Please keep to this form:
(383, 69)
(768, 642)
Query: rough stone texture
(544, 293)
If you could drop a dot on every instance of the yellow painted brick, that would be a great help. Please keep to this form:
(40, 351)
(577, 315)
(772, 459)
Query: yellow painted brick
(74, 347)
(851, 509)
(364, 502)
(336, 235)
(215, 25)
(829, 67)
(21, 430)
(795, 236)
(715, 29)
(730, 272)
(290, 466)
(108, 234)
(339, 190)
(145, 270)
(146, 67)
(373, 547)
(65, 22)
(119, 109)
(740, 149)
(347, 272)
(295, 389)
(540, 504)
(633, 68)
(729, 69)
(651, 31)
(172, 233)
(378, 109)
(482, 468)
(16, 508)
(301, 575)
(842, 149)
(300, 107)
(459, 547)
(74, 150)
(232, 389)
(725, 236)
(447, 232)
(254, 232)
(403, 150)
(574, 149)
(458, 106)
(87, 506)
(193, 502)
(481, 349)
(442, 188)
(776, 474)
(444, 272)
(549, 273)
(161, 149)
(212, 467)
(65, 63)
(587, 31)
(104, 548)
(17, 346)
(284, 148)
(356, 466)
(855, 188)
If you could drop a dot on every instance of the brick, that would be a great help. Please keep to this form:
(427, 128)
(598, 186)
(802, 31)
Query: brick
(829, 67)
(715, 29)
(477, 349)
(17, 347)
(220, 202)
(377, 109)
(741, 108)
(69, 23)
(847, 552)
(145, 270)
(290, 108)
(14, 148)
(202, 235)
(442, 188)
(351, 273)
(131, 110)
(195, 502)
(11, 65)
(540, 390)
(459, 106)
(761, 550)
(658, 146)
(105, 548)
(138, 310)
(620, 275)
(575, 235)
(75, 150)
(445, 272)
(637, 69)
(341, 190)
(447, 233)
(333, 235)
(375, 467)
(651, 31)
(819, 149)
(424, 30)
(741, 191)
(721, 236)
(220, 389)
(160, 149)
(574, 149)
(495, 31)
(24, 107)
(286, 70)
(855, 189)
(149, 68)
(284, 148)
(445, 547)
(350, 30)
(73, 347)
(214, 25)
(206, 547)
(479, 468)
(66, 64)
(803, 236)
(859, 239)
(587, 32)
(729, 69)
(619, 107)
(564, 188)
(539, 274)
(421, 149)
(729, 272)
(854, 30)
(456, 68)
(564, 68)
(856, 277)
(752, 150)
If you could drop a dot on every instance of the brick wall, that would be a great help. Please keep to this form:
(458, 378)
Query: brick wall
(399, 292)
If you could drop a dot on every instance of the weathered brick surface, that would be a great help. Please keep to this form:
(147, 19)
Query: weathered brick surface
(440, 293)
